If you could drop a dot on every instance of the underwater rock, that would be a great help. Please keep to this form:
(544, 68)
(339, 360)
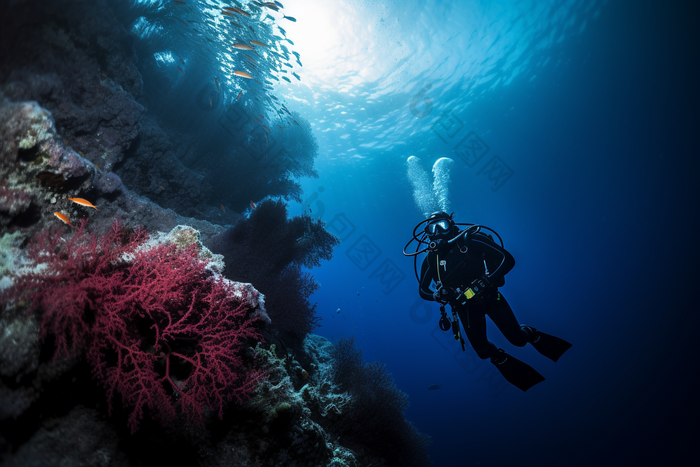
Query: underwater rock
(10, 245)
(24, 126)
(76, 60)
(82, 437)
(153, 170)
(13, 202)
(38, 172)
(108, 183)
(19, 357)
(35, 168)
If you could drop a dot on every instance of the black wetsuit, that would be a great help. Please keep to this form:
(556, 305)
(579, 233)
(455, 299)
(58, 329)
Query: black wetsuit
(483, 259)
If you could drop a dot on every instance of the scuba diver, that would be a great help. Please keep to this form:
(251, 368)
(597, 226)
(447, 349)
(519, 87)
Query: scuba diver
(464, 268)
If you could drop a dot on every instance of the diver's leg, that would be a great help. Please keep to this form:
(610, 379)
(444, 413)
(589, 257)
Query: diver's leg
(500, 312)
(502, 315)
(474, 323)
(519, 374)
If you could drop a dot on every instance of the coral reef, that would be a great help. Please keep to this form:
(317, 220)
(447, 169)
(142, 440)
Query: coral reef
(121, 348)
(160, 330)
(288, 421)
(292, 414)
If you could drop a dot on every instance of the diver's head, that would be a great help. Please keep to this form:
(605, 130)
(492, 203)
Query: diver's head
(440, 226)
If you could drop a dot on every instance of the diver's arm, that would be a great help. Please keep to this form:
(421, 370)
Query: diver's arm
(426, 277)
(498, 259)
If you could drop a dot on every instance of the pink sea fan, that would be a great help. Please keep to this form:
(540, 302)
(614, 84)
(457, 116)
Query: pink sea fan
(172, 339)
(162, 333)
(70, 277)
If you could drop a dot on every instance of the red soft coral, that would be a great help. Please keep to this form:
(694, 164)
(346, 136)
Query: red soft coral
(176, 333)
(70, 277)
(160, 329)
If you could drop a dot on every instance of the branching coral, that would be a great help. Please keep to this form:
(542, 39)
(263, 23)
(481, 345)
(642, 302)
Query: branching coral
(160, 329)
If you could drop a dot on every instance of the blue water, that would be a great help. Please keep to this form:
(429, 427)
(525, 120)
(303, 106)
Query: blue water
(589, 107)
(599, 213)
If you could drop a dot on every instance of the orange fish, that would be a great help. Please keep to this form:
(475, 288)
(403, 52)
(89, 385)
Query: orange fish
(252, 205)
(64, 218)
(240, 93)
(258, 43)
(242, 47)
(161, 187)
(223, 209)
(243, 74)
(82, 202)
(266, 128)
(227, 13)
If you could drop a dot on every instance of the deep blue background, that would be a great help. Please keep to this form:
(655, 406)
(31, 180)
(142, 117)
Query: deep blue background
(600, 215)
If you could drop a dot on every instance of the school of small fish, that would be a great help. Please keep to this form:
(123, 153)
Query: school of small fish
(242, 40)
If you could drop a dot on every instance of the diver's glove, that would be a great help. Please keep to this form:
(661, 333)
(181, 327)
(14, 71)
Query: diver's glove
(476, 287)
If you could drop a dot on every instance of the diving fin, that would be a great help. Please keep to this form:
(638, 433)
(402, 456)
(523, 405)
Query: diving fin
(550, 346)
(517, 373)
